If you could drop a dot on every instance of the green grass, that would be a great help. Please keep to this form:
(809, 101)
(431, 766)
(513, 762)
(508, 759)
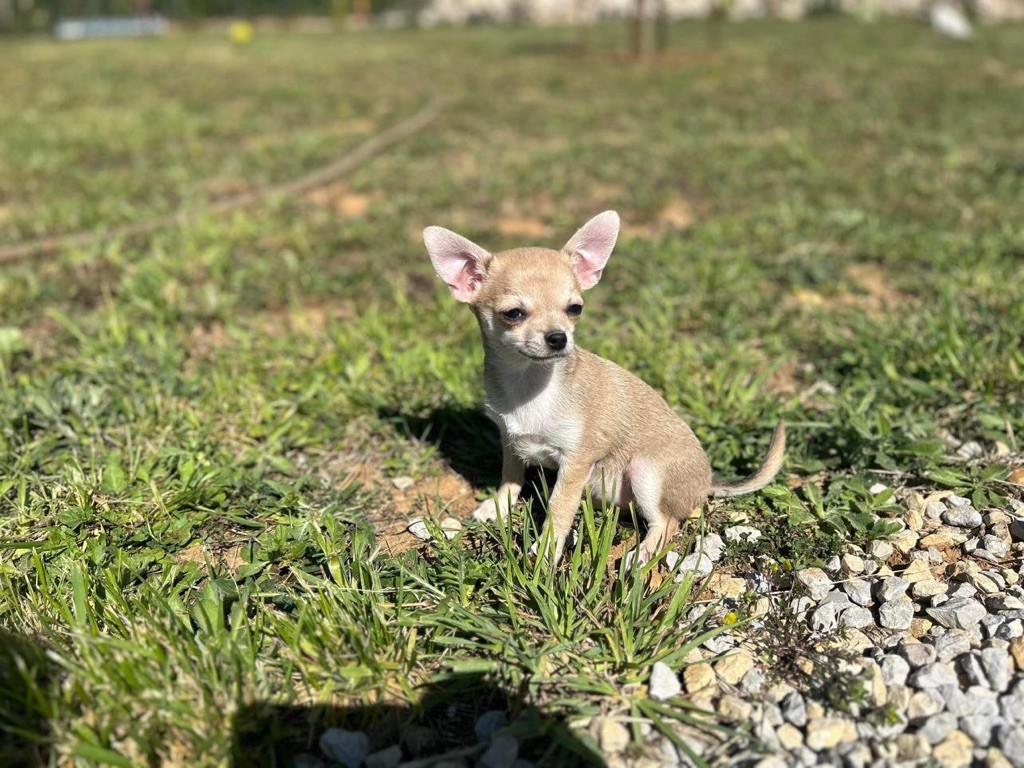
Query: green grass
(197, 428)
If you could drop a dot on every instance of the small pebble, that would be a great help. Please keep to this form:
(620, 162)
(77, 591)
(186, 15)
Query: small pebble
(896, 614)
(349, 748)
(385, 758)
(962, 517)
(502, 753)
(488, 723)
(419, 529)
(664, 683)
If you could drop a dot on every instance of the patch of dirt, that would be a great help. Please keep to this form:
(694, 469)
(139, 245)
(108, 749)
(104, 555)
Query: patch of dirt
(40, 336)
(205, 340)
(785, 380)
(677, 215)
(874, 280)
(341, 199)
(448, 495)
(527, 218)
(875, 294)
(222, 189)
(524, 227)
(993, 69)
(828, 91)
(202, 553)
(309, 320)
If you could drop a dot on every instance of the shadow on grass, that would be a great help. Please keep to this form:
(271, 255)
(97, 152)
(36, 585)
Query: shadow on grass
(467, 440)
(26, 702)
(440, 730)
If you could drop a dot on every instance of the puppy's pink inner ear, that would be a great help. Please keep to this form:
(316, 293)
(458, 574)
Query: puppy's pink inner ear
(461, 263)
(587, 272)
(591, 247)
(463, 274)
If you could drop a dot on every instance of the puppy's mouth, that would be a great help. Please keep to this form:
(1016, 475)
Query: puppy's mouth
(544, 358)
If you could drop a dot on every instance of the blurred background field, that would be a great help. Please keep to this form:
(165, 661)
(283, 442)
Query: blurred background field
(201, 429)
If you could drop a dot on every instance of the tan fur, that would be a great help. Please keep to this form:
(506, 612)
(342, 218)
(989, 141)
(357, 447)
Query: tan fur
(599, 425)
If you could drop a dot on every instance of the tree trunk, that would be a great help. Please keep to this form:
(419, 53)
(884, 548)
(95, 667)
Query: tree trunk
(642, 32)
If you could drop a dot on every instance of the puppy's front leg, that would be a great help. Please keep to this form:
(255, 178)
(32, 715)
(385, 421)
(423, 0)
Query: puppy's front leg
(513, 475)
(565, 500)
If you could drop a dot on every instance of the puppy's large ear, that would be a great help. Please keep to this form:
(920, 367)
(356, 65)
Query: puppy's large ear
(460, 262)
(591, 246)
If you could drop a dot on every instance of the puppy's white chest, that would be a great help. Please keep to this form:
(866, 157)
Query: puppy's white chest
(538, 427)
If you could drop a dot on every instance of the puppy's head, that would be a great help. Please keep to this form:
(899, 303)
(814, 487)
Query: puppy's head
(528, 299)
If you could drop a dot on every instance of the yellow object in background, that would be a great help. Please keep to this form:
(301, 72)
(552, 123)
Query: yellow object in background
(241, 32)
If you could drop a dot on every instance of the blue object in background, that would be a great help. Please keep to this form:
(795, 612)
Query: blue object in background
(110, 26)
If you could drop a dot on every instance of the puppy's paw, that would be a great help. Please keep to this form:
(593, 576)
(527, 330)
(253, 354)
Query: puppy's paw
(630, 560)
(638, 557)
(487, 512)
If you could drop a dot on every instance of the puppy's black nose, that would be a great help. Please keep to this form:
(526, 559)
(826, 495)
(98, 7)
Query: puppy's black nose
(555, 340)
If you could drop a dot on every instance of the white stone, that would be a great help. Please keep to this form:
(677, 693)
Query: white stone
(896, 614)
(958, 612)
(816, 581)
(740, 533)
(450, 527)
(933, 675)
(419, 529)
(699, 564)
(664, 683)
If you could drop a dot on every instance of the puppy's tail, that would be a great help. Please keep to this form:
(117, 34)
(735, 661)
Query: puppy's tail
(769, 469)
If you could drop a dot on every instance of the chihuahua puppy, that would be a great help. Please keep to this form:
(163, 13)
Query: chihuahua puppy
(561, 407)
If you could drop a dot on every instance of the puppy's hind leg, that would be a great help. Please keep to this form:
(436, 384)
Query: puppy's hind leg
(648, 492)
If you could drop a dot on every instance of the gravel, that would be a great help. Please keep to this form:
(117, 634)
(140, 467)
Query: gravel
(998, 669)
(958, 612)
(697, 563)
(931, 622)
(857, 617)
(895, 669)
(896, 614)
(892, 588)
(859, 591)
(951, 645)
(962, 517)
(937, 727)
(817, 582)
(419, 529)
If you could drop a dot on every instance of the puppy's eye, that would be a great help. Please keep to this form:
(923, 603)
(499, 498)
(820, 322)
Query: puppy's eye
(575, 310)
(513, 315)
